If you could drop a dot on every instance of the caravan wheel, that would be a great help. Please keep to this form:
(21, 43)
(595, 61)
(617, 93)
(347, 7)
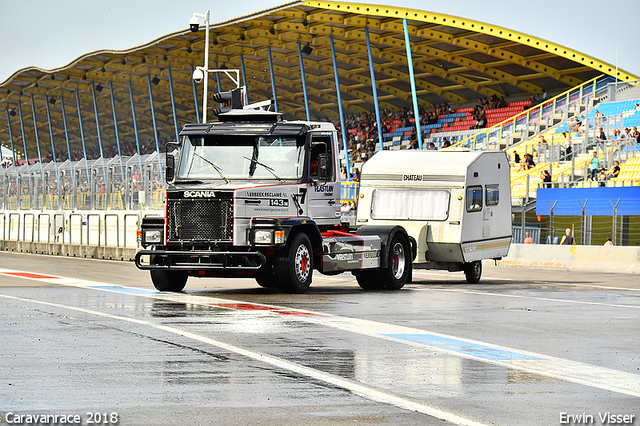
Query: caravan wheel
(473, 271)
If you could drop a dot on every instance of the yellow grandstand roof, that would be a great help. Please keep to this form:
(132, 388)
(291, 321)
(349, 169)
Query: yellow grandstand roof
(455, 60)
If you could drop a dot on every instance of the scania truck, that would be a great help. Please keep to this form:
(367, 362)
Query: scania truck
(253, 195)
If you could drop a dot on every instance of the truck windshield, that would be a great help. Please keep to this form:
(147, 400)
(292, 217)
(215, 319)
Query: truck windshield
(241, 157)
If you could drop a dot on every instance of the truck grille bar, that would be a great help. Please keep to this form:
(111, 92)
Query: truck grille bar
(200, 220)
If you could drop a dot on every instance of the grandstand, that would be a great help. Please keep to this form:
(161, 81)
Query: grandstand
(101, 120)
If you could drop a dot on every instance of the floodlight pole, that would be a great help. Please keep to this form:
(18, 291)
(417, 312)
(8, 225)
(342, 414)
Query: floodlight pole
(206, 64)
(205, 16)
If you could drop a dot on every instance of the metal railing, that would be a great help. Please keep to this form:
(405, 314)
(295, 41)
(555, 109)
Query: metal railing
(119, 183)
(499, 134)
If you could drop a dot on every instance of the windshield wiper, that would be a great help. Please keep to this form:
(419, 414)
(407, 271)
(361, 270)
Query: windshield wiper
(265, 166)
(217, 169)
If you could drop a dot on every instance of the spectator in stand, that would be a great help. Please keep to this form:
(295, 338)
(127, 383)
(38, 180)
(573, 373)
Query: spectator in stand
(432, 147)
(542, 143)
(575, 124)
(529, 160)
(601, 136)
(567, 145)
(602, 177)
(609, 242)
(594, 165)
(516, 157)
(553, 238)
(413, 139)
(343, 173)
(599, 118)
(545, 176)
(356, 175)
(615, 170)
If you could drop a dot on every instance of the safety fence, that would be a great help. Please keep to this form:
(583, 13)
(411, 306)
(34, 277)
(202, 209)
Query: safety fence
(119, 183)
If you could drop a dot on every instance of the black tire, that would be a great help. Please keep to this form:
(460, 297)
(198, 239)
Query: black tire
(398, 263)
(368, 280)
(169, 280)
(266, 277)
(473, 271)
(398, 270)
(294, 267)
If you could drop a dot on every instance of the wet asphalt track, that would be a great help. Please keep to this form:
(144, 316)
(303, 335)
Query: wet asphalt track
(523, 347)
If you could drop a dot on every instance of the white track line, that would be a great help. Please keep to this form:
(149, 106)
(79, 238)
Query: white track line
(357, 388)
(518, 296)
(576, 372)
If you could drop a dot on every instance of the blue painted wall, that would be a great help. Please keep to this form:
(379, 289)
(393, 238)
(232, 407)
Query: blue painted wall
(599, 201)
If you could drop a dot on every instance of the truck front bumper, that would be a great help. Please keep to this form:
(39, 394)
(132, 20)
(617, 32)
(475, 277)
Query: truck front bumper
(200, 260)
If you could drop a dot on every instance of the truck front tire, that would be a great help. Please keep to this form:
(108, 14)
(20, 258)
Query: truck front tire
(294, 266)
(173, 281)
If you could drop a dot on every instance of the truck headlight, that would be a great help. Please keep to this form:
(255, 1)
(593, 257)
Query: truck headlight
(263, 236)
(153, 236)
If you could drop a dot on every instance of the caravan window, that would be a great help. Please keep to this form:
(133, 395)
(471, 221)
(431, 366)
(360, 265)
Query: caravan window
(410, 204)
(474, 198)
(493, 195)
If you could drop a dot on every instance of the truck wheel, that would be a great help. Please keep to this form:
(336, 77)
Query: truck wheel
(169, 280)
(398, 270)
(473, 271)
(368, 280)
(398, 263)
(294, 267)
(266, 278)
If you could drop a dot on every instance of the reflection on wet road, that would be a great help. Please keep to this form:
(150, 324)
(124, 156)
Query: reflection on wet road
(500, 352)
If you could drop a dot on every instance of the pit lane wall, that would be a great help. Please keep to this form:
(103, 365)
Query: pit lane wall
(109, 234)
(94, 234)
(575, 258)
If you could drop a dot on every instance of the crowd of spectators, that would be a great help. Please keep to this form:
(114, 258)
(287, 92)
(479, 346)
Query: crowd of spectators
(362, 133)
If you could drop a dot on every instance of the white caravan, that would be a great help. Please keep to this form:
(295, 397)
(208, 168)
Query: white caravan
(455, 204)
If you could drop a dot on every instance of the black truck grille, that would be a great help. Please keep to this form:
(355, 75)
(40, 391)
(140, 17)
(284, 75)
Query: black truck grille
(202, 220)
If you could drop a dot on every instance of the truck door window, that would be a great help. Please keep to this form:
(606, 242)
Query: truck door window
(474, 198)
(493, 195)
(320, 144)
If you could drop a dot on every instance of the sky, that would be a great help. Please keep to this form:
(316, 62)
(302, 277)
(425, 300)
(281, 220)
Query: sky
(53, 33)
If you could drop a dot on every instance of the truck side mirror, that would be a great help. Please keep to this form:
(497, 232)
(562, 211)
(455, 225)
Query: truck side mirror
(324, 166)
(171, 164)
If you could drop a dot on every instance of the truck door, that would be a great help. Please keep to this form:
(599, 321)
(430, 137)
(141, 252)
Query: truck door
(323, 196)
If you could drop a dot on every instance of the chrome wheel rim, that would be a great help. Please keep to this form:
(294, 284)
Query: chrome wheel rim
(302, 263)
(398, 261)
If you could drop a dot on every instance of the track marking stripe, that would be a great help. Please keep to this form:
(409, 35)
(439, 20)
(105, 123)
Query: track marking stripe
(126, 290)
(562, 369)
(544, 299)
(354, 387)
(467, 348)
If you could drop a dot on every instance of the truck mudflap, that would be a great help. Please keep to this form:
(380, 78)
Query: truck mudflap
(201, 260)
